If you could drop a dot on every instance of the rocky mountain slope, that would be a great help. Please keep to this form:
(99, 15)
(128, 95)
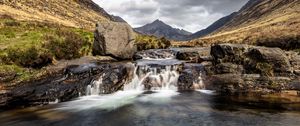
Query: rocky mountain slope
(161, 29)
(35, 34)
(215, 26)
(72, 13)
(263, 22)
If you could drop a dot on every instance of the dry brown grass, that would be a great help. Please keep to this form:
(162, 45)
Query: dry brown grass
(64, 12)
(281, 24)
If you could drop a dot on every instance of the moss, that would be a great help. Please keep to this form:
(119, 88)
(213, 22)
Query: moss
(265, 69)
(18, 73)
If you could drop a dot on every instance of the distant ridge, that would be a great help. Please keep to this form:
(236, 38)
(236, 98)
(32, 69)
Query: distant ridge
(160, 29)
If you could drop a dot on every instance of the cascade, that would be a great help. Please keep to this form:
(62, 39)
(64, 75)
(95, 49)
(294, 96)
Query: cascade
(157, 74)
(154, 77)
(94, 88)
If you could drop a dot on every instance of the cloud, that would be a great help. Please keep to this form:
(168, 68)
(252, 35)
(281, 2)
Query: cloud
(191, 15)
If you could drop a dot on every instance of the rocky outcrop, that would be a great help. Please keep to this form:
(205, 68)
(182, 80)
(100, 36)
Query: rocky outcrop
(194, 55)
(69, 83)
(155, 54)
(191, 77)
(114, 39)
(243, 68)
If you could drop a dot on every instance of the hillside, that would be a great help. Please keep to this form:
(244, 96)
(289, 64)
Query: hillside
(215, 26)
(161, 29)
(262, 22)
(72, 13)
(37, 33)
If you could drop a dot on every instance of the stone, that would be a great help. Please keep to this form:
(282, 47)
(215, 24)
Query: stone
(155, 54)
(273, 56)
(191, 78)
(114, 39)
(233, 53)
(68, 84)
(227, 83)
(194, 55)
(223, 68)
(189, 56)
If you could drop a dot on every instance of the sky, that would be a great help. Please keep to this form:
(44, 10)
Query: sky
(190, 15)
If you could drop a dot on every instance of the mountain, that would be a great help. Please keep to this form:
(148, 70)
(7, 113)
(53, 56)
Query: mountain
(117, 18)
(161, 29)
(262, 22)
(72, 13)
(215, 26)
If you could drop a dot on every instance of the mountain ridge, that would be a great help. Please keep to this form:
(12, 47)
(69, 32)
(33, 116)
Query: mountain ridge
(213, 27)
(160, 29)
(260, 22)
(72, 13)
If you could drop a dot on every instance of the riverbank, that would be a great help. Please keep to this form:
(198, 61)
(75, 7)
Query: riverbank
(231, 70)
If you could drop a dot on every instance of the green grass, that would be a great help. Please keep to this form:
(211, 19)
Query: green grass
(21, 74)
(26, 47)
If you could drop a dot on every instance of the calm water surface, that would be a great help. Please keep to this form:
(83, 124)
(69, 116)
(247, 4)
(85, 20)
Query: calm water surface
(162, 108)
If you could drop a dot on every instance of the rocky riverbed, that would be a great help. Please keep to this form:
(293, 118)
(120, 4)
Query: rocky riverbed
(249, 73)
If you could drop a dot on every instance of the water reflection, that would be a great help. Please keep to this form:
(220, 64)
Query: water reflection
(161, 108)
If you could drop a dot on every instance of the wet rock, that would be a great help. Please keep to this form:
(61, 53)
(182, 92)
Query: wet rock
(155, 54)
(238, 68)
(254, 60)
(114, 39)
(294, 85)
(192, 77)
(194, 55)
(189, 56)
(186, 81)
(233, 53)
(114, 79)
(224, 68)
(228, 83)
(68, 84)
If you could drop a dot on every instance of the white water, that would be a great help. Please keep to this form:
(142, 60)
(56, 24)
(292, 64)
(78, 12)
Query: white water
(105, 102)
(94, 88)
(158, 78)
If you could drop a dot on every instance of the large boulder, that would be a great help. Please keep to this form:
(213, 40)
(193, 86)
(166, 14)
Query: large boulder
(194, 55)
(233, 53)
(191, 77)
(253, 58)
(228, 83)
(114, 39)
(238, 68)
(273, 56)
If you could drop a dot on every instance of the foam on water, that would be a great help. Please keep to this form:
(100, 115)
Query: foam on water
(159, 96)
(105, 102)
(209, 92)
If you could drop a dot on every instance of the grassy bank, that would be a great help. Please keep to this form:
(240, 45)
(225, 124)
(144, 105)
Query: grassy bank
(26, 47)
(145, 42)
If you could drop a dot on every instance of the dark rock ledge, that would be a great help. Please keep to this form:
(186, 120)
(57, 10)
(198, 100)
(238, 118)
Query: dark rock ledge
(67, 82)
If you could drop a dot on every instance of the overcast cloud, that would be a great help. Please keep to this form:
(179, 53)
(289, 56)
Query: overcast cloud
(191, 15)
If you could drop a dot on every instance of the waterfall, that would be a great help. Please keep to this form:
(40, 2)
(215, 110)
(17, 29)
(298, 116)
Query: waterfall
(94, 88)
(155, 77)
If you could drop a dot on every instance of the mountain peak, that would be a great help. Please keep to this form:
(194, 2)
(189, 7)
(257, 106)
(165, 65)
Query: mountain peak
(160, 29)
(159, 23)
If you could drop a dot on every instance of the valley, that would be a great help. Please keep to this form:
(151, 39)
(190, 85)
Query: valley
(73, 63)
